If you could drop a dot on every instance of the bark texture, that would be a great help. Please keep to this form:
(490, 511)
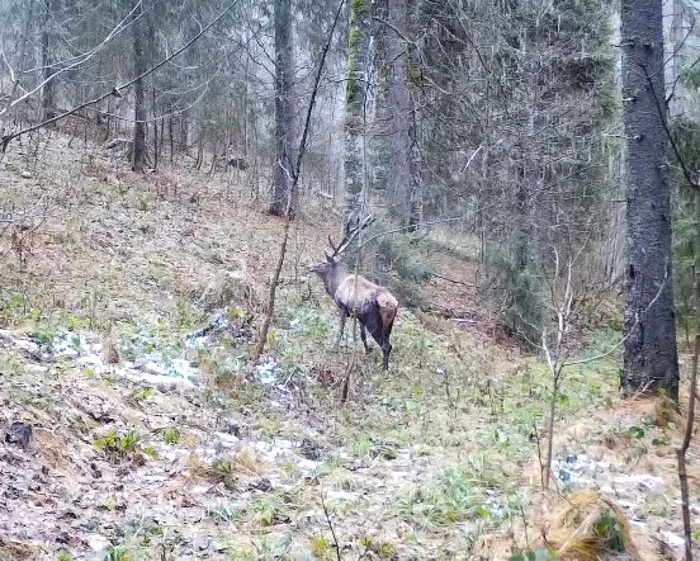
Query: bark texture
(650, 357)
(284, 125)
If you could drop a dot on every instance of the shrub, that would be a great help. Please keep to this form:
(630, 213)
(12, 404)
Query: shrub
(397, 260)
(517, 293)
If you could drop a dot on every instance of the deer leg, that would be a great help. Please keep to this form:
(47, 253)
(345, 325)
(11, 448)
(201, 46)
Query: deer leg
(373, 320)
(386, 345)
(341, 328)
(386, 351)
(363, 336)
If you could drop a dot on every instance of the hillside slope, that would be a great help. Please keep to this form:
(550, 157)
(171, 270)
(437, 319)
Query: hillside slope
(133, 432)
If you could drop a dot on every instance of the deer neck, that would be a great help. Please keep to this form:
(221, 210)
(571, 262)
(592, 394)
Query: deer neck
(334, 280)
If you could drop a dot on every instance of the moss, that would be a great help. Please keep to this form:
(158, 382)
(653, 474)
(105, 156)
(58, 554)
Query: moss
(415, 77)
(351, 88)
(354, 39)
(360, 8)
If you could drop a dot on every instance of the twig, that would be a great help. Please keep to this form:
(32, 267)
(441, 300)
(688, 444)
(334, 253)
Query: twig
(330, 525)
(617, 345)
(452, 280)
(346, 383)
(556, 370)
(676, 150)
(681, 453)
(395, 30)
(539, 450)
(7, 138)
(471, 158)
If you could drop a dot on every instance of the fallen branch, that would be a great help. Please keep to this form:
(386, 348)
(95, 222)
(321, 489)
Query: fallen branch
(449, 313)
(336, 545)
(453, 281)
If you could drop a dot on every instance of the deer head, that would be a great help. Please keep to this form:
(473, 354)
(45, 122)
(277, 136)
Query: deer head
(334, 261)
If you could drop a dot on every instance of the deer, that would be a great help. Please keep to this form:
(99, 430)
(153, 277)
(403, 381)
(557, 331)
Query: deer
(374, 306)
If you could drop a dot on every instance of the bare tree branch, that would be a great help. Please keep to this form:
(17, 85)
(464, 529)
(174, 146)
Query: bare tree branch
(115, 91)
(84, 58)
(676, 150)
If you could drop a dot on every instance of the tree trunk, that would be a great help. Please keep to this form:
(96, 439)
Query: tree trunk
(156, 148)
(404, 153)
(650, 358)
(677, 25)
(47, 102)
(358, 68)
(284, 126)
(184, 128)
(171, 136)
(139, 155)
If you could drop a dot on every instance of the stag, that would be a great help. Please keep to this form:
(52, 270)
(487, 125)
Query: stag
(374, 306)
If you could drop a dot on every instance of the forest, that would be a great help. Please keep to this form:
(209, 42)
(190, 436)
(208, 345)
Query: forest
(349, 279)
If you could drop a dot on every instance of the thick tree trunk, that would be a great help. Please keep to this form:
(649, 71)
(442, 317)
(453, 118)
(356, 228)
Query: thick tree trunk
(139, 155)
(650, 360)
(284, 126)
(358, 68)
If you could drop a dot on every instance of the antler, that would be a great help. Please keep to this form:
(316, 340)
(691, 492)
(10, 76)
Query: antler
(350, 236)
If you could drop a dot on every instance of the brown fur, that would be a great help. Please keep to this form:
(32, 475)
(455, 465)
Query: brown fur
(388, 305)
(356, 296)
(354, 291)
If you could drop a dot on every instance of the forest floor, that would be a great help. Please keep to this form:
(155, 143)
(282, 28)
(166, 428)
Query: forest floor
(128, 434)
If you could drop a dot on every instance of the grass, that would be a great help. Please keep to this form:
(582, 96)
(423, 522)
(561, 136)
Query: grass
(171, 435)
(118, 446)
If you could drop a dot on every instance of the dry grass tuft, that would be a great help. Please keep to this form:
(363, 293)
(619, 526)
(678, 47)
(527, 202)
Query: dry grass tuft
(231, 288)
(15, 550)
(247, 460)
(589, 527)
(111, 351)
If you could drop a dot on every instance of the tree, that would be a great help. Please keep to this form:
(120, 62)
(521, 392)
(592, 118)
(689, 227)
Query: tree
(357, 85)
(284, 118)
(677, 20)
(650, 357)
(48, 98)
(404, 152)
(140, 66)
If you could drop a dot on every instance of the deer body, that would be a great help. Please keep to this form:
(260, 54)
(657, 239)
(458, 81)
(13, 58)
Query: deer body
(374, 306)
